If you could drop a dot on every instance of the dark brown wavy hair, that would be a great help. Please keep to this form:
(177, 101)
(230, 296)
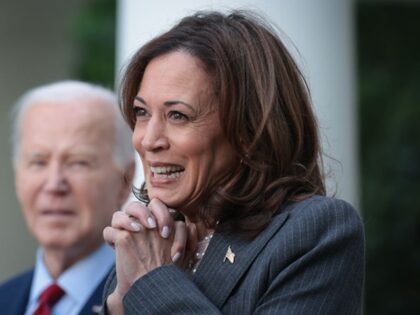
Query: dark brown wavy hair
(264, 109)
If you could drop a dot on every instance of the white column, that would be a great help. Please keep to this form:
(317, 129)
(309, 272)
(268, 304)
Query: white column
(320, 36)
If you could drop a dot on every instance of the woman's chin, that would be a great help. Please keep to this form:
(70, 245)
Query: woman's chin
(164, 198)
(172, 200)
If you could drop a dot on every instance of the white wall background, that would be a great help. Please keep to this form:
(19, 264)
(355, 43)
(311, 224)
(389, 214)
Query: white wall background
(320, 36)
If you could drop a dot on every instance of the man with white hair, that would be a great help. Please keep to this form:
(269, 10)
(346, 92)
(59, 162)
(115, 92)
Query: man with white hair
(73, 164)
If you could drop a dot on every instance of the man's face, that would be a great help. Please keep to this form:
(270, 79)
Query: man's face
(66, 180)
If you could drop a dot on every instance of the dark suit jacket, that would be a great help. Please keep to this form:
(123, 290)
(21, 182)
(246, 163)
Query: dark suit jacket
(14, 295)
(309, 260)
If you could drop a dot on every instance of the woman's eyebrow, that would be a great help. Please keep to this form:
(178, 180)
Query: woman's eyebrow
(140, 99)
(174, 102)
(167, 103)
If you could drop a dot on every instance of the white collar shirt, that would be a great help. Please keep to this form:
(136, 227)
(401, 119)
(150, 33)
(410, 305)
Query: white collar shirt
(78, 282)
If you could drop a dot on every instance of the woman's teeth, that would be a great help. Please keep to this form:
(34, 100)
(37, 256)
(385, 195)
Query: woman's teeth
(167, 171)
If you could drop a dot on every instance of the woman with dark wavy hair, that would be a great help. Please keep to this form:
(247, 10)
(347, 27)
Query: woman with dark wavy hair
(222, 121)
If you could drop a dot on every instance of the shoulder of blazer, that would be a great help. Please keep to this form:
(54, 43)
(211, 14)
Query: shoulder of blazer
(14, 293)
(321, 207)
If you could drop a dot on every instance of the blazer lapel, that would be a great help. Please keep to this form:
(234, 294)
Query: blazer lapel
(15, 299)
(225, 271)
(94, 304)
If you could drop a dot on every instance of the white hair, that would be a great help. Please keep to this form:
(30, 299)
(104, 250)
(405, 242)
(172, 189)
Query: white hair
(62, 92)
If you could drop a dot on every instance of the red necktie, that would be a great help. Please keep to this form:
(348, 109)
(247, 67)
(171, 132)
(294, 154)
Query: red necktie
(48, 298)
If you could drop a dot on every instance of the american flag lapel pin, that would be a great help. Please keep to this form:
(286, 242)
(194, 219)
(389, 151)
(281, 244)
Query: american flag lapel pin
(230, 256)
(96, 309)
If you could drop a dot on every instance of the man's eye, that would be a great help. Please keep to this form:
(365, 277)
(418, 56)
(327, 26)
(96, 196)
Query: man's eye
(37, 163)
(178, 116)
(81, 163)
(78, 164)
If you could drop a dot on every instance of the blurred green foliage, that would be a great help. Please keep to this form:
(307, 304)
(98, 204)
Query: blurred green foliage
(94, 30)
(389, 91)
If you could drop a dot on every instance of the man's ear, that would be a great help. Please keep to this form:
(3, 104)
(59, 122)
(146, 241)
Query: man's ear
(128, 177)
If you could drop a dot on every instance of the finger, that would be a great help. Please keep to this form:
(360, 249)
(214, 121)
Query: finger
(123, 221)
(163, 217)
(109, 236)
(180, 241)
(141, 213)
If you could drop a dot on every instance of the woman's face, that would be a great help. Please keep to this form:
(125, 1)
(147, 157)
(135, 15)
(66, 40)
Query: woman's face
(178, 133)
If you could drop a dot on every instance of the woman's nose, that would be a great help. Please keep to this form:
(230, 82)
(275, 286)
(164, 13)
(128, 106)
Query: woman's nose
(154, 137)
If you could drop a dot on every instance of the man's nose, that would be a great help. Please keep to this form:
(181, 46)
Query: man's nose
(155, 137)
(56, 180)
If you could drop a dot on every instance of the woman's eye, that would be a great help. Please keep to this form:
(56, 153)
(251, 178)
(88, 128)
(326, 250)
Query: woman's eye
(139, 111)
(178, 116)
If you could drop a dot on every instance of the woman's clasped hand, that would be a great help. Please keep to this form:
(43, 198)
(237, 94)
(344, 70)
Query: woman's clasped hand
(147, 237)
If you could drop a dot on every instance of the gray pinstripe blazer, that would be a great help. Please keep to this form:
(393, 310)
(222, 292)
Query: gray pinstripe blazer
(309, 260)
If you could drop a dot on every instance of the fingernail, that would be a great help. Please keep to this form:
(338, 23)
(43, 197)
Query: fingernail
(165, 232)
(176, 256)
(151, 222)
(136, 226)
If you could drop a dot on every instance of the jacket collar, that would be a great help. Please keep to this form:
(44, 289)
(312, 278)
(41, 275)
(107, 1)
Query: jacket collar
(217, 267)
